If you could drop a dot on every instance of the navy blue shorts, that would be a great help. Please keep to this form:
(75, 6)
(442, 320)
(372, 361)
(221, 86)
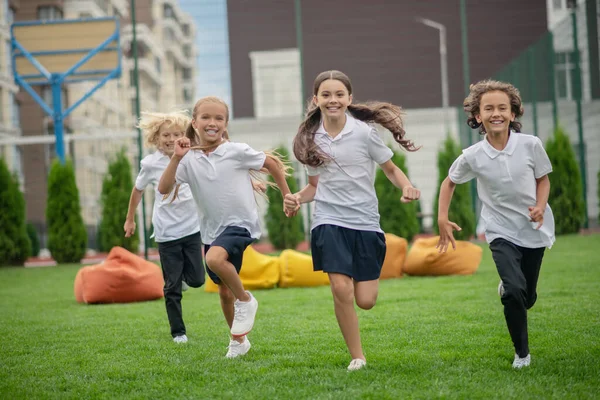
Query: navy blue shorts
(357, 254)
(234, 240)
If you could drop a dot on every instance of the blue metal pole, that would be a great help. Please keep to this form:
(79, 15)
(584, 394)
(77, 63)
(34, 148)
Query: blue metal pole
(55, 84)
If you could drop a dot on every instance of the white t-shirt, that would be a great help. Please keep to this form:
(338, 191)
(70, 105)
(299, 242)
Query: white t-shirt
(174, 220)
(506, 185)
(221, 186)
(345, 193)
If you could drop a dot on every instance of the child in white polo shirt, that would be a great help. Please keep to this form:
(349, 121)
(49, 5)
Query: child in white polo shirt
(340, 151)
(512, 182)
(218, 174)
(175, 220)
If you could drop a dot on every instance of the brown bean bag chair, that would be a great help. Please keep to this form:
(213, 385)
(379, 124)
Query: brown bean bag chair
(259, 271)
(297, 271)
(122, 278)
(394, 256)
(424, 259)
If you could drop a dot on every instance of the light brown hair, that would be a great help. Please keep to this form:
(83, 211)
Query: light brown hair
(386, 114)
(472, 102)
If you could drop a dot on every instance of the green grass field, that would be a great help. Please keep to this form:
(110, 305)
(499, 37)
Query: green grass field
(426, 338)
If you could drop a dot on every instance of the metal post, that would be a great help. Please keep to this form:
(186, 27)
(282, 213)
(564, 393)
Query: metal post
(55, 85)
(443, 66)
(533, 89)
(551, 61)
(467, 81)
(137, 115)
(300, 46)
(578, 95)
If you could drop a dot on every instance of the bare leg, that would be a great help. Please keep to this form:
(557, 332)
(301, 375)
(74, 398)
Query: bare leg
(227, 300)
(366, 293)
(217, 261)
(342, 289)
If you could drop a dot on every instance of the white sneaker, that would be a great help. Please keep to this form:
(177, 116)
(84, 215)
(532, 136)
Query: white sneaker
(519, 362)
(237, 349)
(501, 289)
(184, 286)
(180, 339)
(244, 314)
(356, 364)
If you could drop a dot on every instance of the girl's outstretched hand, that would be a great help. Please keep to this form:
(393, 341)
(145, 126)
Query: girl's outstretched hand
(447, 235)
(182, 146)
(409, 194)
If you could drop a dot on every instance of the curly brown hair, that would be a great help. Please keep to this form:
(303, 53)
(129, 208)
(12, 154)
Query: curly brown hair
(472, 102)
(386, 114)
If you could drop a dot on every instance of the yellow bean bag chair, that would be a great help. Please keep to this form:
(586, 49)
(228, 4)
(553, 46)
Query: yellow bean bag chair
(297, 271)
(122, 277)
(394, 256)
(258, 271)
(424, 259)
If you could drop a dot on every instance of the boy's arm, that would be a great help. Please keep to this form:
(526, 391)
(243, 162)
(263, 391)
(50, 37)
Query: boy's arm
(445, 226)
(536, 213)
(134, 201)
(401, 181)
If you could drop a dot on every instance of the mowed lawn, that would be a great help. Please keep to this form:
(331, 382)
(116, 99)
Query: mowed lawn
(426, 338)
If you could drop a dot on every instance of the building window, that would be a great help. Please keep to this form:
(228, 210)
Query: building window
(187, 50)
(557, 4)
(186, 29)
(564, 68)
(15, 112)
(187, 95)
(10, 15)
(157, 63)
(49, 13)
(187, 73)
(134, 108)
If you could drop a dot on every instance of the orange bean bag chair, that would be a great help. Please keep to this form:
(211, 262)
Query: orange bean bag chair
(259, 271)
(424, 259)
(122, 278)
(297, 271)
(396, 249)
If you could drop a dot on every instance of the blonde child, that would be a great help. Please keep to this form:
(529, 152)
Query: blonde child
(512, 183)
(217, 172)
(175, 220)
(340, 150)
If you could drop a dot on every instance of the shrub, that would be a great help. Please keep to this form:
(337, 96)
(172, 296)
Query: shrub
(461, 206)
(15, 246)
(116, 190)
(566, 196)
(67, 237)
(284, 232)
(396, 217)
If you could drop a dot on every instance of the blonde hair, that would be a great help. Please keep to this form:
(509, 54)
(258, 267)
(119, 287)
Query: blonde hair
(473, 102)
(151, 122)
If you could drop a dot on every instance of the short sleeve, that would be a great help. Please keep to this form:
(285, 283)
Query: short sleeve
(378, 151)
(461, 171)
(181, 175)
(542, 165)
(312, 171)
(144, 177)
(250, 158)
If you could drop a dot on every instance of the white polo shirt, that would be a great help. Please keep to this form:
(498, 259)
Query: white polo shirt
(221, 186)
(174, 220)
(506, 184)
(345, 193)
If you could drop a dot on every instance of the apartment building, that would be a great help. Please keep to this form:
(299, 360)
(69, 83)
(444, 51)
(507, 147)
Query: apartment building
(166, 65)
(9, 107)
